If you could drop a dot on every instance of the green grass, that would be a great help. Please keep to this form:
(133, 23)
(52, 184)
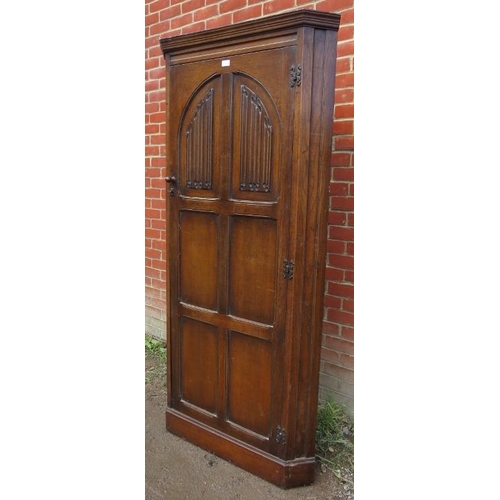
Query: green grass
(156, 353)
(335, 437)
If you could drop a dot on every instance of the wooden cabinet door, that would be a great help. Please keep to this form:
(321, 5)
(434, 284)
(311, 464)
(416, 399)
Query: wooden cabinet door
(229, 131)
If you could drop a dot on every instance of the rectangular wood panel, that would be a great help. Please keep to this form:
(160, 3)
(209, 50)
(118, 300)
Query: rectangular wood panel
(249, 383)
(199, 364)
(199, 258)
(252, 268)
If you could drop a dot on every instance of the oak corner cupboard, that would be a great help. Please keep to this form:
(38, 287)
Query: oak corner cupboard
(249, 134)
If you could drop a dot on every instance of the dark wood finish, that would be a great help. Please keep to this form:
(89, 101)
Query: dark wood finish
(198, 233)
(250, 111)
(252, 268)
(198, 376)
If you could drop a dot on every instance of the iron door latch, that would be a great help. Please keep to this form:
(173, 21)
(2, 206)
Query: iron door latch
(288, 269)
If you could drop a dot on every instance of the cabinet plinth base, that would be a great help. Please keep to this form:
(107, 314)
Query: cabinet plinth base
(285, 474)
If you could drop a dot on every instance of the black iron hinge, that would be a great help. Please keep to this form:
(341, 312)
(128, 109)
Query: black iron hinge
(295, 75)
(288, 269)
(280, 435)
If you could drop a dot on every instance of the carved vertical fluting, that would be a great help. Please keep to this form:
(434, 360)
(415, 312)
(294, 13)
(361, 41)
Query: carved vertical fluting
(199, 145)
(256, 143)
(244, 123)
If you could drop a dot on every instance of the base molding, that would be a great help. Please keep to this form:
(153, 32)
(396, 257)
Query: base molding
(285, 474)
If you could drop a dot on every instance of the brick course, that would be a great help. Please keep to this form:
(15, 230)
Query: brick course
(173, 17)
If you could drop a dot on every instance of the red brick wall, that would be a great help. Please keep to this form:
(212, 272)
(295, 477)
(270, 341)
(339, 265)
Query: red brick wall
(174, 17)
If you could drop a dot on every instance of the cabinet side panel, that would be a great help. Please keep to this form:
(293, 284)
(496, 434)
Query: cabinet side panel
(315, 236)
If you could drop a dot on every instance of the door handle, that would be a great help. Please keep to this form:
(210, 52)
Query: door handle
(172, 180)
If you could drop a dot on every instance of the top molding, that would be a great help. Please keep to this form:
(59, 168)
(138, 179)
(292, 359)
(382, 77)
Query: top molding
(269, 24)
